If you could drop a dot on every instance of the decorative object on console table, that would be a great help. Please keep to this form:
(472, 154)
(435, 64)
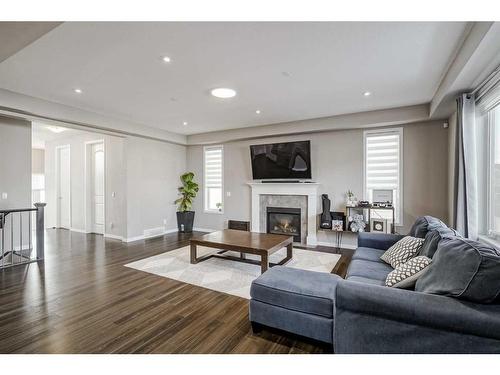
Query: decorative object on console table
(351, 199)
(378, 225)
(326, 217)
(382, 196)
(188, 191)
(357, 223)
(367, 211)
(338, 220)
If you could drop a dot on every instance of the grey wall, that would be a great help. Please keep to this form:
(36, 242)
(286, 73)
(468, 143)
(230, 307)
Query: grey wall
(38, 161)
(337, 161)
(15, 163)
(425, 171)
(153, 170)
(15, 178)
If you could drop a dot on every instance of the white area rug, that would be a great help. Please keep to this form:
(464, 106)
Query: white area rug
(224, 275)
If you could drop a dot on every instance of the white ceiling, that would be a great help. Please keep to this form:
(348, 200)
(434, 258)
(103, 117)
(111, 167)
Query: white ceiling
(328, 67)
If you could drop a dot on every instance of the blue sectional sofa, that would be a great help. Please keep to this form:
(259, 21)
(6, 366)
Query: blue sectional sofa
(359, 314)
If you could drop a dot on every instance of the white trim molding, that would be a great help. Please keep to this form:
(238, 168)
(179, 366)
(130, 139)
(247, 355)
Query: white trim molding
(78, 230)
(145, 237)
(343, 246)
(204, 230)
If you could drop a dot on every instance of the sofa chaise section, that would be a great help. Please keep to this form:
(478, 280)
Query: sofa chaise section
(296, 301)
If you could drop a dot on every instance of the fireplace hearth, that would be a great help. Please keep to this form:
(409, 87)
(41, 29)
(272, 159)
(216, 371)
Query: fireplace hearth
(281, 220)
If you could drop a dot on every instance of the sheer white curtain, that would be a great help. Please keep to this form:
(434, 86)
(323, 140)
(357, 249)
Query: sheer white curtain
(466, 199)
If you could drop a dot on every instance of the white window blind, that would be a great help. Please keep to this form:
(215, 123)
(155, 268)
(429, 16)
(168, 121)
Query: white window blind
(213, 178)
(383, 161)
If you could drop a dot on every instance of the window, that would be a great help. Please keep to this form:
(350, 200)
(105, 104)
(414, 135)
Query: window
(213, 178)
(383, 156)
(493, 179)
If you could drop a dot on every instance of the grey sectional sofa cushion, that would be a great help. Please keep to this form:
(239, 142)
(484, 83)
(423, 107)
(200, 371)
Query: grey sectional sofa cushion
(364, 280)
(368, 269)
(432, 239)
(424, 224)
(367, 253)
(463, 269)
(298, 290)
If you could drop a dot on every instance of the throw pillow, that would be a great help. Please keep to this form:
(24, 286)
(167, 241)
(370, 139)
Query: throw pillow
(423, 224)
(432, 239)
(399, 253)
(464, 269)
(406, 275)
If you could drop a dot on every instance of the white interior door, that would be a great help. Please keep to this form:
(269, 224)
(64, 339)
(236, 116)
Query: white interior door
(97, 187)
(63, 188)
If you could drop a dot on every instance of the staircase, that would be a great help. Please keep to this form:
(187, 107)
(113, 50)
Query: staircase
(21, 235)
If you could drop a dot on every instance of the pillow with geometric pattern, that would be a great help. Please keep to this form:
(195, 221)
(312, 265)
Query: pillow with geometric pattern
(406, 275)
(403, 250)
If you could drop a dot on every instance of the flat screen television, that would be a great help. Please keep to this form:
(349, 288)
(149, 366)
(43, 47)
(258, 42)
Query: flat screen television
(281, 161)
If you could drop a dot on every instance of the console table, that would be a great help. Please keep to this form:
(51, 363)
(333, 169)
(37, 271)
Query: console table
(369, 209)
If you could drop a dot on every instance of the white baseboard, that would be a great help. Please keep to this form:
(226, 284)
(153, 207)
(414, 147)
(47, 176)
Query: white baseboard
(343, 246)
(132, 239)
(144, 237)
(113, 236)
(78, 230)
(204, 230)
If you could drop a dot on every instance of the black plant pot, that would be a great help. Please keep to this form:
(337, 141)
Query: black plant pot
(185, 221)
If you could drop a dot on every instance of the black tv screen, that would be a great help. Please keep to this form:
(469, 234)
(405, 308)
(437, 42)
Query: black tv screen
(290, 160)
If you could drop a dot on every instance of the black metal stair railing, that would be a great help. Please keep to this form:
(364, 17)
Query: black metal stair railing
(22, 235)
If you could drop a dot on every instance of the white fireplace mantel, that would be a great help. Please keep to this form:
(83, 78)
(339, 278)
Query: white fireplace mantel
(310, 190)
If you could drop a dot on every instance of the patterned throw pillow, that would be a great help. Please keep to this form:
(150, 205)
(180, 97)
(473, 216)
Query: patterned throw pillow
(406, 274)
(399, 253)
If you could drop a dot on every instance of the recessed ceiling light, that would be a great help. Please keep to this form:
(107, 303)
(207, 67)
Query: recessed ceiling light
(258, 111)
(223, 93)
(78, 91)
(166, 59)
(56, 129)
(367, 93)
(184, 123)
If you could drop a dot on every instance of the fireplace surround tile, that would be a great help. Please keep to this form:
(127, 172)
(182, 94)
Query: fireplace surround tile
(283, 201)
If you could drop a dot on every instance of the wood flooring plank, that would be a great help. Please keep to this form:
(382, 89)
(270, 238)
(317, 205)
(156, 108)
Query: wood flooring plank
(82, 299)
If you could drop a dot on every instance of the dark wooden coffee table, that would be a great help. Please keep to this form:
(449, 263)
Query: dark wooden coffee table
(262, 244)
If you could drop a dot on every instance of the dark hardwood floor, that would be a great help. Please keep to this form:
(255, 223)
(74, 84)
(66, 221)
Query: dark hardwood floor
(83, 300)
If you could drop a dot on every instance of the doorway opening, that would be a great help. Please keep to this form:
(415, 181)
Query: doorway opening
(63, 186)
(95, 187)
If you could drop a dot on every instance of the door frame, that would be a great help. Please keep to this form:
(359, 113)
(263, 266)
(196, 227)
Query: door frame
(58, 178)
(88, 187)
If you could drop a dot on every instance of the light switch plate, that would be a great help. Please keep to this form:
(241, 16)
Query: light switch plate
(228, 193)
(4, 195)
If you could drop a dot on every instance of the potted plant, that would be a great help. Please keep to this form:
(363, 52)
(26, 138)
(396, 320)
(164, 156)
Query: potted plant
(187, 192)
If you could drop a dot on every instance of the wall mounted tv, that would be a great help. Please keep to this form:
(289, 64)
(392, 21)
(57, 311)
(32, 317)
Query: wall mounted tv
(281, 161)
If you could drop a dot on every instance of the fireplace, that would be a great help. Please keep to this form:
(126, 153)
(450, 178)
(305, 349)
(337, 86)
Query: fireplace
(282, 220)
